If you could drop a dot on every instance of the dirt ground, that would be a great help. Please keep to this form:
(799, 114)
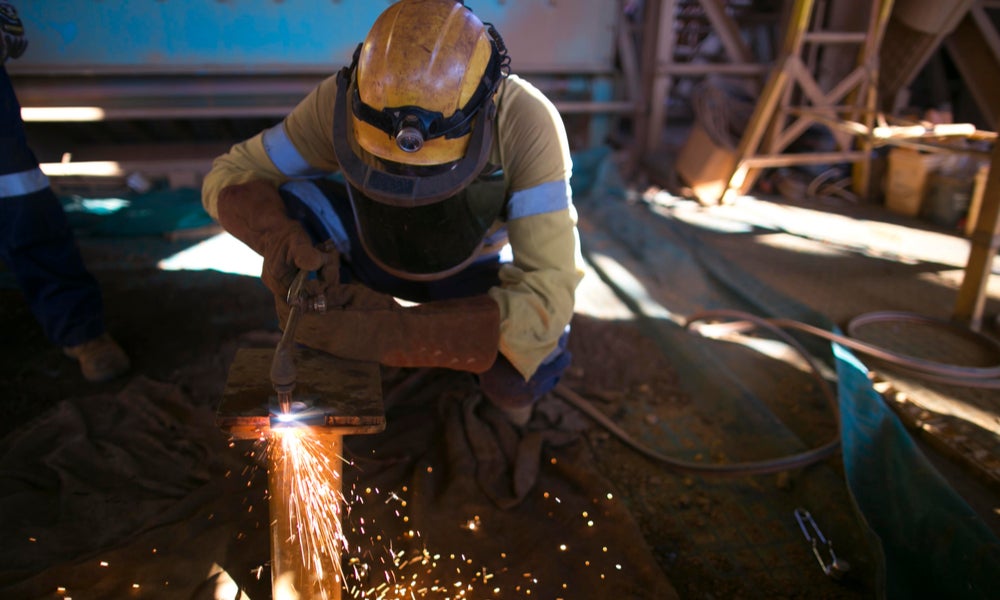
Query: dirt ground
(712, 539)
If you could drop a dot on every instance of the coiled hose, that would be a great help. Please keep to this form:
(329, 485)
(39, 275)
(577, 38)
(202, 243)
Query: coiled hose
(736, 321)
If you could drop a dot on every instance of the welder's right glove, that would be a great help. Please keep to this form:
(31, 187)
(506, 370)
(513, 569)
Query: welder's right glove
(255, 214)
(12, 40)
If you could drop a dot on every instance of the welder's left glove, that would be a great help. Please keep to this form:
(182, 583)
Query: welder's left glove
(12, 40)
(461, 334)
(255, 214)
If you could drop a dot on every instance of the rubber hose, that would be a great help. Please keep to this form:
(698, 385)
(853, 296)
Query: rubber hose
(988, 377)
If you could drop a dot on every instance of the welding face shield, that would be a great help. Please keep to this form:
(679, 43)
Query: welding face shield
(407, 166)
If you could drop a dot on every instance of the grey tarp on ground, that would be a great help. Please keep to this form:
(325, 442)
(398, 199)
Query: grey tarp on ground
(522, 512)
(139, 495)
(107, 492)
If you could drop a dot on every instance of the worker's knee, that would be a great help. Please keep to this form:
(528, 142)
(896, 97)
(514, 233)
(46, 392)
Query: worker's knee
(505, 387)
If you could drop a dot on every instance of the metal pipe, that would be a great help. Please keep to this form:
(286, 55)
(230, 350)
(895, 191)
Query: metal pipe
(301, 569)
(699, 69)
(334, 398)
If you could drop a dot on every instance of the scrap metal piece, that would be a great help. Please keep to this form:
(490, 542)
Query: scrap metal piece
(330, 393)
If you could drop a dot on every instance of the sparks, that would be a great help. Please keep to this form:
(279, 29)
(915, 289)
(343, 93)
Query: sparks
(316, 517)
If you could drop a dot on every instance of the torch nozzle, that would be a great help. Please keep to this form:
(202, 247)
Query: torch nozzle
(285, 402)
(283, 373)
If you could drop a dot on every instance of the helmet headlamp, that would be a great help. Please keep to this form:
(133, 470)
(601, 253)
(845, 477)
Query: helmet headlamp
(410, 136)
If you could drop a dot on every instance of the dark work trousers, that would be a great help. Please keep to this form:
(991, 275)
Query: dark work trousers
(36, 241)
(502, 383)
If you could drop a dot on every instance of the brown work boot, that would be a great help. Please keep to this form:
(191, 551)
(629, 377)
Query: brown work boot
(101, 359)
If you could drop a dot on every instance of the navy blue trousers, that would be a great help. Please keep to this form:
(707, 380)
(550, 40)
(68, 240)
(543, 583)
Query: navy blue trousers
(502, 383)
(36, 242)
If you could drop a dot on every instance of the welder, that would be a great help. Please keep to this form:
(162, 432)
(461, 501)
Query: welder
(427, 188)
(36, 241)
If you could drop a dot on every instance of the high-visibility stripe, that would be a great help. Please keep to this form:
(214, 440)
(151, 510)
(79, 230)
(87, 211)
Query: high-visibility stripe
(285, 156)
(542, 198)
(23, 183)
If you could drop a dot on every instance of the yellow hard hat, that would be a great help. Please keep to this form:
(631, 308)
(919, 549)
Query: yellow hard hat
(413, 126)
(427, 54)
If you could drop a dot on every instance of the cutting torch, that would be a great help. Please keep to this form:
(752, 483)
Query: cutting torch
(283, 373)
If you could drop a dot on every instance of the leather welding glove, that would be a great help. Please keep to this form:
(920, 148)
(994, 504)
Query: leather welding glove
(461, 334)
(255, 214)
(338, 295)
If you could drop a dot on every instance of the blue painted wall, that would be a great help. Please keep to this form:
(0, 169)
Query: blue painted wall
(241, 36)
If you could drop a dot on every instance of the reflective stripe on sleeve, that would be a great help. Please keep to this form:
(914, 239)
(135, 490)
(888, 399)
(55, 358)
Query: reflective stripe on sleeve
(23, 183)
(284, 155)
(542, 198)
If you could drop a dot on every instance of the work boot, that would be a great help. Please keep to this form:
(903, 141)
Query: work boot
(101, 359)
